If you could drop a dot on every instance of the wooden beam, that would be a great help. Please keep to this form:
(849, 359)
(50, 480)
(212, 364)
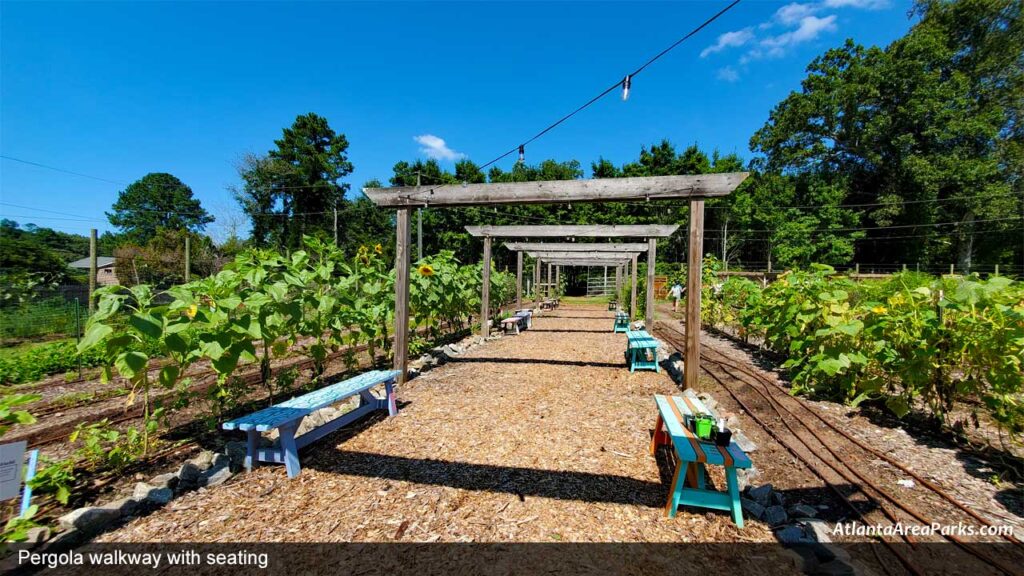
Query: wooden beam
(550, 277)
(485, 292)
(519, 279)
(599, 255)
(560, 191)
(575, 231)
(585, 262)
(691, 371)
(652, 247)
(558, 279)
(536, 279)
(632, 294)
(403, 235)
(618, 280)
(620, 247)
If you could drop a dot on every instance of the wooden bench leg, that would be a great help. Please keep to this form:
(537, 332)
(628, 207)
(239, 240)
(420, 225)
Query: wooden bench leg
(734, 496)
(658, 438)
(675, 491)
(289, 449)
(389, 390)
(251, 438)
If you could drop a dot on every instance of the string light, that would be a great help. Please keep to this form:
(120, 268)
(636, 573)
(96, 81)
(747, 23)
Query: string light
(627, 82)
(522, 153)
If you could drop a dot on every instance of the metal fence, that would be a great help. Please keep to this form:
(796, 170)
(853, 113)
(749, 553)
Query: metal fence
(43, 313)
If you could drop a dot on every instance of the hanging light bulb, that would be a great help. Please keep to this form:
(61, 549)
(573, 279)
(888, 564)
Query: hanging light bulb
(522, 153)
(627, 82)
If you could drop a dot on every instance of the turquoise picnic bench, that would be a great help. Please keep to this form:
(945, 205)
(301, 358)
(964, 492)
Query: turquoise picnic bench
(286, 417)
(641, 351)
(692, 454)
(621, 322)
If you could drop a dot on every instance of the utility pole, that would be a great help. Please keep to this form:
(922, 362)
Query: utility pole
(419, 224)
(92, 269)
(188, 255)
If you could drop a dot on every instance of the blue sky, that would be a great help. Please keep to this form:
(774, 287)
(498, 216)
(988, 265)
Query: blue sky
(119, 90)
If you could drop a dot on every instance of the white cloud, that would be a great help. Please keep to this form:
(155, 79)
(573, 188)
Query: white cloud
(435, 148)
(810, 28)
(792, 13)
(861, 4)
(728, 74)
(729, 40)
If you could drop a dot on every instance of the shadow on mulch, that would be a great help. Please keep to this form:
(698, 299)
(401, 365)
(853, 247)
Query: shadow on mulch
(563, 330)
(580, 363)
(523, 482)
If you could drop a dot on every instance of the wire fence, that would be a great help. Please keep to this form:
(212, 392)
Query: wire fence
(42, 313)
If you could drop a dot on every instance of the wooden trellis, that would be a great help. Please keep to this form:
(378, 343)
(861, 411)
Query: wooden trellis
(694, 188)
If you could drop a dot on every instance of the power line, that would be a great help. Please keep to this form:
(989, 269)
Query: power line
(625, 82)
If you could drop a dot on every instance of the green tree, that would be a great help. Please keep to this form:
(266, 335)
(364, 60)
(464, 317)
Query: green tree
(157, 200)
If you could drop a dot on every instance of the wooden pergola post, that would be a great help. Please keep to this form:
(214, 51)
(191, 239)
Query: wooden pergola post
(519, 279)
(652, 246)
(550, 276)
(537, 265)
(403, 236)
(558, 279)
(632, 292)
(618, 281)
(693, 279)
(485, 292)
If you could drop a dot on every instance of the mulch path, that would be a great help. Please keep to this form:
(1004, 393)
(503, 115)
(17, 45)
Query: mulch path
(540, 437)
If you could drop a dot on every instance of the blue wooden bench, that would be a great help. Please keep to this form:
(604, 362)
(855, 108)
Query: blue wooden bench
(688, 481)
(286, 417)
(613, 305)
(641, 351)
(525, 316)
(621, 322)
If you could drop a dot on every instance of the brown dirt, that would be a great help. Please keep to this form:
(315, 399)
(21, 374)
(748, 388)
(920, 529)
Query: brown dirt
(540, 437)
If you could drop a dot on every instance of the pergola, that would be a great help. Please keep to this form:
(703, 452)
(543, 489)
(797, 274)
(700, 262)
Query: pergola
(603, 254)
(694, 188)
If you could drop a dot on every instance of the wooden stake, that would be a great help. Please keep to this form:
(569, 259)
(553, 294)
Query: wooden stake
(92, 270)
(403, 237)
(693, 288)
(485, 295)
(652, 247)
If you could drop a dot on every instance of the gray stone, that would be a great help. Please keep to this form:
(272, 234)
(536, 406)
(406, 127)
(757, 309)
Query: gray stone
(790, 535)
(751, 508)
(803, 510)
(235, 452)
(746, 477)
(203, 461)
(215, 477)
(124, 506)
(778, 498)
(221, 461)
(152, 494)
(89, 520)
(37, 535)
(761, 494)
(741, 440)
(775, 515)
(168, 480)
(817, 529)
(188, 477)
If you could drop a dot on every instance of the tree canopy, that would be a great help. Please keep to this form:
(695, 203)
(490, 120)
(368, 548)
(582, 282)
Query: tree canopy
(157, 200)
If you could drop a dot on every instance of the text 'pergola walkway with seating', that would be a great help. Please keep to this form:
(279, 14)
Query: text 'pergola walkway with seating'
(538, 437)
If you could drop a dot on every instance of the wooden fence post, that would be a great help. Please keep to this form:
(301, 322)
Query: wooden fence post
(92, 270)
(691, 371)
(403, 235)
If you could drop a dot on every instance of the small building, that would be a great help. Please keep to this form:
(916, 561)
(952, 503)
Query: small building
(106, 273)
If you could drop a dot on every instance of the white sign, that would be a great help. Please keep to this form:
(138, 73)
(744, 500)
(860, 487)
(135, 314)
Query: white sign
(12, 461)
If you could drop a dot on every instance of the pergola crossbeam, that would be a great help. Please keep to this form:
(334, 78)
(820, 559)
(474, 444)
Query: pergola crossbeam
(575, 231)
(616, 247)
(559, 191)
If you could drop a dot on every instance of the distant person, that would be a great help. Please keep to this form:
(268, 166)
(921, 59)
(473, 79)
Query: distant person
(676, 292)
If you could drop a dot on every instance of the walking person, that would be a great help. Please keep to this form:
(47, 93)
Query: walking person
(676, 292)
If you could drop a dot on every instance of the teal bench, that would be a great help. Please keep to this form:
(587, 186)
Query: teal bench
(286, 417)
(612, 305)
(692, 454)
(621, 322)
(641, 351)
